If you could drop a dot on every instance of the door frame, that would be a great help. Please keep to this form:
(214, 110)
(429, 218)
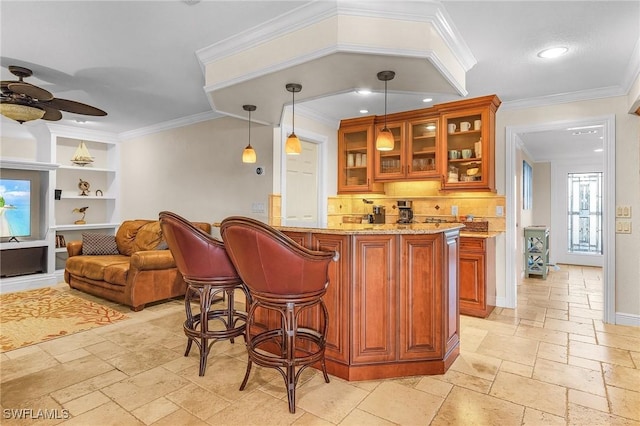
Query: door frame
(322, 142)
(512, 136)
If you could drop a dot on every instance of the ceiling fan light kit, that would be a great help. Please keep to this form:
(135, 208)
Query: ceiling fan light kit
(384, 140)
(249, 154)
(22, 101)
(293, 145)
(21, 113)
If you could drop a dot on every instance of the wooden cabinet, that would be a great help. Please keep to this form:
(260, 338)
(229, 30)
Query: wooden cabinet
(422, 147)
(420, 298)
(392, 301)
(337, 297)
(355, 156)
(374, 309)
(415, 152)
(477, 276)
(467, 144)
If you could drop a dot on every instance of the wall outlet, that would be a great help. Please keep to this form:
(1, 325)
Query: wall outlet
(257, 208)
(499, 211)
(454, 210)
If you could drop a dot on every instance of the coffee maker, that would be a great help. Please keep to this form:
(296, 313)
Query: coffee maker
(378, 214)
(405, 212)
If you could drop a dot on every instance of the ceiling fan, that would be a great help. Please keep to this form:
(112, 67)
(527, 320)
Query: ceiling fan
(22, 101)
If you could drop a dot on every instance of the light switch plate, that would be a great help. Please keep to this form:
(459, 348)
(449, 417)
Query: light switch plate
(623, 226)
(499, 211)
(623, 211)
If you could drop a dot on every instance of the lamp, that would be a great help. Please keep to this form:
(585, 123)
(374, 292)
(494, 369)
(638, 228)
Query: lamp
(20, 112)
(249, 154)
(384, 141)
(293, 146)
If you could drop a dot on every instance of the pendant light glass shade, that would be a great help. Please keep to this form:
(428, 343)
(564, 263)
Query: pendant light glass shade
(249, 154)
(384, 140)
(293, 145)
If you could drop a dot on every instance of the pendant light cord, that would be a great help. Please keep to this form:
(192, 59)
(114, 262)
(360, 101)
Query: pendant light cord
(293, 112)
(385, 105)
(249, 128)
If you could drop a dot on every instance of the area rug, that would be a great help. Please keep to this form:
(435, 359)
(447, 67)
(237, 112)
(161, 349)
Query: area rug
(34, 316)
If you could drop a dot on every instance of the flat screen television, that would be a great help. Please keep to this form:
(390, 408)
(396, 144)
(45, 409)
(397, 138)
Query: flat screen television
(15, 208)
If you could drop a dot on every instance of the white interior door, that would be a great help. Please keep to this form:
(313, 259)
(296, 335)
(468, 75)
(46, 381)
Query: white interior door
(566, 231)
(302, 187)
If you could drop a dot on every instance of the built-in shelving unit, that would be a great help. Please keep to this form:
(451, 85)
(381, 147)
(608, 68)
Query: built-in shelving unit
(37, 261)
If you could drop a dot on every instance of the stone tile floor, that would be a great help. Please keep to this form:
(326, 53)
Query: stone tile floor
(550, 361)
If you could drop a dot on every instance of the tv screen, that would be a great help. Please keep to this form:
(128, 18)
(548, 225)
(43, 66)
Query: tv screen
(15, 208)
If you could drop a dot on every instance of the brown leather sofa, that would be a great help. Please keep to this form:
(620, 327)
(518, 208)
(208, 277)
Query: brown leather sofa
(142, 272)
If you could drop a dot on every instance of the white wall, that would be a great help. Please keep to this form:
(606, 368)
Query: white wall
(196, 171)
(627, 173)
(542, 193)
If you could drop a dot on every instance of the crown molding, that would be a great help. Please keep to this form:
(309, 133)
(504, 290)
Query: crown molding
(80, 133)
(314, 12)
(561, 98)
(168, 125)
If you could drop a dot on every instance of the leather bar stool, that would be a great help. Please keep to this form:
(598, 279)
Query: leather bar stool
(286, 278)
(205, 266)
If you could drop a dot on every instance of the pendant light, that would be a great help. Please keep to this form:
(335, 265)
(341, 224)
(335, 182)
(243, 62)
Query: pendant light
(384, 141)
(293, 146)
(249, 154)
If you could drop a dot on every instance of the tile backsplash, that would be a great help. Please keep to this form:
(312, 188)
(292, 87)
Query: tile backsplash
(427, 203)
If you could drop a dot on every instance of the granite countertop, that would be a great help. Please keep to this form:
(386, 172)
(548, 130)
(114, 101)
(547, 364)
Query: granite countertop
(367, 228)
(479, 234)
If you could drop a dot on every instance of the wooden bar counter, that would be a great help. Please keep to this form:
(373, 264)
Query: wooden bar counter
(392, 298)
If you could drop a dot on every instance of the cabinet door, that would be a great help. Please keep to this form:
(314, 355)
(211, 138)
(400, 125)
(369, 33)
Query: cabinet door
(422, 149)
(472, 285)
(337, 296)
(391, 165)
(374, 299)
(468, 160)
(421, 280)
(355, 159)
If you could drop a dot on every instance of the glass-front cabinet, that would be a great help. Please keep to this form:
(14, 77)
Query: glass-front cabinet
(391, 165)
(422, 148)
(414, 154)
(355, 158)
(467, 153)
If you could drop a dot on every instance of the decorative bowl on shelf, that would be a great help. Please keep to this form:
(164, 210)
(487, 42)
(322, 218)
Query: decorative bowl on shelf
(473, 171)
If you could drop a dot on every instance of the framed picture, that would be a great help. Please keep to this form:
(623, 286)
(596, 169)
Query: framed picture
(527, 186)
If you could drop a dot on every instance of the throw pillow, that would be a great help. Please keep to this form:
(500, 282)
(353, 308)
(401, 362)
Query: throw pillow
(148, 237)
(98, 244)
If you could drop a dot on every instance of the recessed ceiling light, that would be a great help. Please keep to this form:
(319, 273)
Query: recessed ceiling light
(427, 99)
(598, 150)
(363, 91)
(553, 52)
(364, 111)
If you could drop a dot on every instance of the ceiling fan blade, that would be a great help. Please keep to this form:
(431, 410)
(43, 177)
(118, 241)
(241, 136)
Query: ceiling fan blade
(30, 90)
(73, 106)
(50, 114)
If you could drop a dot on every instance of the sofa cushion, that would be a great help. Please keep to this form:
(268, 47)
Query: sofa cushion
(126, 235)
(98, 244)
(149, 237)
(94, 267)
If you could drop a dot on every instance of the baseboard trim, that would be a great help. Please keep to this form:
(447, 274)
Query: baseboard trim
(627, 319)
